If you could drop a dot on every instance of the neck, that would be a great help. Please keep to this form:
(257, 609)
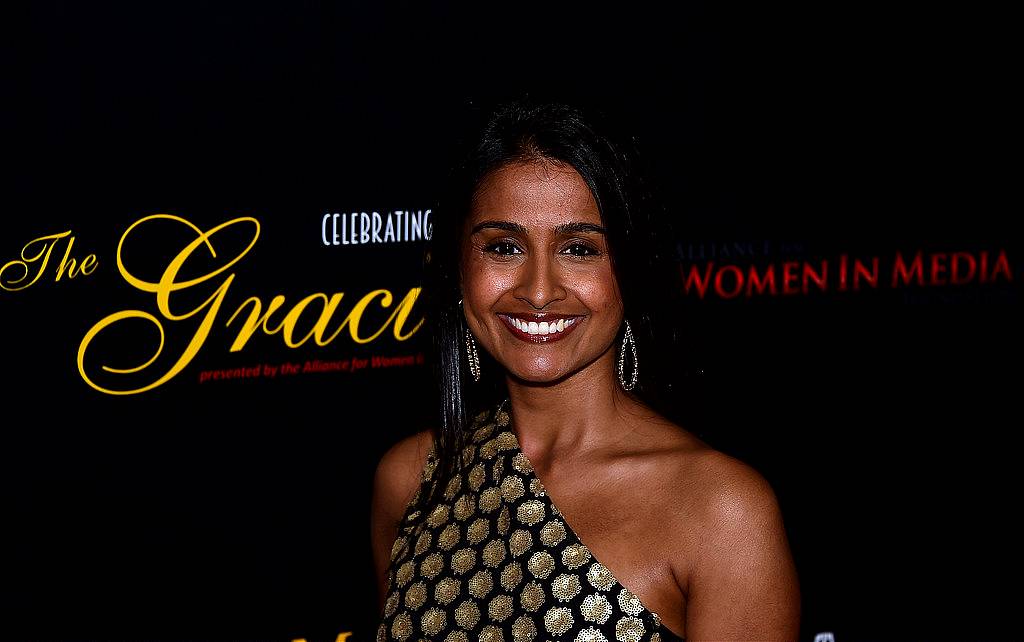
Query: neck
(567, 419)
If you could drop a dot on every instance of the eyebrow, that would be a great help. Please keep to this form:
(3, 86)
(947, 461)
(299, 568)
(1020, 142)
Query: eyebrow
(567, 228)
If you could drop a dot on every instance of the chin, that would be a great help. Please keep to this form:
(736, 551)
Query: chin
(537, 372)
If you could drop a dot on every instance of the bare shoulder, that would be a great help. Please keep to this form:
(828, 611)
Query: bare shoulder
(736, 566)
(717, 498)
(399, 472)
(711, 483)
(726, 500)
(731, 491)
(395, 482)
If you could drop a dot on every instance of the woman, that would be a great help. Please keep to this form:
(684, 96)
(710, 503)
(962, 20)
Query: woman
(568, 508)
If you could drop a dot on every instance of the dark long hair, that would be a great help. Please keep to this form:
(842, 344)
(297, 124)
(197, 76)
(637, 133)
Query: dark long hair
(594, 143)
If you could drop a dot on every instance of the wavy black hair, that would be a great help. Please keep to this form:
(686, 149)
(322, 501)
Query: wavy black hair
(595, 144)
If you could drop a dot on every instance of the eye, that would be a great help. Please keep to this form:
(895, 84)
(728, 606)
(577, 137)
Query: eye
(578, 248)
(503, 248)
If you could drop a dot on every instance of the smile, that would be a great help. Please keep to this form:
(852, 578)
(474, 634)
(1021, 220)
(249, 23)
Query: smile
(540, 328)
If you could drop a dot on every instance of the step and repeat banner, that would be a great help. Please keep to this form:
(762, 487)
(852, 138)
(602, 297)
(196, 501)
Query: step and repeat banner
(212, 319)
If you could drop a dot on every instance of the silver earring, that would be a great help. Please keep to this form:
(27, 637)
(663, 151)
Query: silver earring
(471, 353)
(628, 342)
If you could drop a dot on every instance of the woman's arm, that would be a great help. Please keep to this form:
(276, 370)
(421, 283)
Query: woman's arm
(396, 480)
(743, 585)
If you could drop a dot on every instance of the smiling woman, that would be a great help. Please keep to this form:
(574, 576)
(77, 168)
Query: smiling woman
(536, 256)
(569, 507)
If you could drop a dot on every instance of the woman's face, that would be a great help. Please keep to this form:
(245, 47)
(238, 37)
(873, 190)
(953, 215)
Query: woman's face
(538, 289)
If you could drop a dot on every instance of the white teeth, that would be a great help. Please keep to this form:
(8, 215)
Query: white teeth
(542, 327)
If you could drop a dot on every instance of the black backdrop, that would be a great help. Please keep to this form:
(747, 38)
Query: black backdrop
(885, 417)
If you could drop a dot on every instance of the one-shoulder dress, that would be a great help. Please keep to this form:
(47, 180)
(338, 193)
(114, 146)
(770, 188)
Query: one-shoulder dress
(495, 561)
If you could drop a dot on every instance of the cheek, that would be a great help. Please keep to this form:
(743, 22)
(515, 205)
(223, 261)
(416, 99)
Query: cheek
(600, 294)
(483, 283)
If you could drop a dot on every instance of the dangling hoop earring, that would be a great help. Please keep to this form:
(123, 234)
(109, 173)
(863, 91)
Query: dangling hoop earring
(628, 343)
(471, 352)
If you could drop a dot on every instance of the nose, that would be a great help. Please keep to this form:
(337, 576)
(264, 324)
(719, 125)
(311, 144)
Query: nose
(539, 282)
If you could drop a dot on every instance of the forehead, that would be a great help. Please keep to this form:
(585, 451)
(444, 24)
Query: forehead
(535, 193)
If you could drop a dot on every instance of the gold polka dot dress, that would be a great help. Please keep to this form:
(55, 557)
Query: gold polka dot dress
(496, 562)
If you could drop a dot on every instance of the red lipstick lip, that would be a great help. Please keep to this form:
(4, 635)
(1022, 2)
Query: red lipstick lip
(506, 319)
